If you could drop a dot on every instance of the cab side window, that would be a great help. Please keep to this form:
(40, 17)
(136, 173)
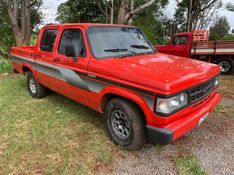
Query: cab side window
(72, 37)
(180, 40)
(48, 39)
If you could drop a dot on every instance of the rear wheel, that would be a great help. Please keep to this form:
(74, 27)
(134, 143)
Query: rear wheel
(35, 89)
(226, 65)
(125, 124)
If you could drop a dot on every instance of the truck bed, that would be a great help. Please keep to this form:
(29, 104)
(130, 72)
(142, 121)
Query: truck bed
(213, 48)
(26, 51)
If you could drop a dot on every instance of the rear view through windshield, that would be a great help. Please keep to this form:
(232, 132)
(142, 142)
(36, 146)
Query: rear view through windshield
(118, 42)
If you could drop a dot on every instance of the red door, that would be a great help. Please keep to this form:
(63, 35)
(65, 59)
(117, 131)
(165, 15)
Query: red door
(70, 77)
(179, 46)
(44, 57)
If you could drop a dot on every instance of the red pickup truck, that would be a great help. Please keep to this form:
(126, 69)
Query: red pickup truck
(115, 70)
(197, 46)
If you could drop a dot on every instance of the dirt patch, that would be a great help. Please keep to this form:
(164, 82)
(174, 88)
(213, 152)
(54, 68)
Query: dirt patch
(227, 106)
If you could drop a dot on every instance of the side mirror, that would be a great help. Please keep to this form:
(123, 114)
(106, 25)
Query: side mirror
(70, 52)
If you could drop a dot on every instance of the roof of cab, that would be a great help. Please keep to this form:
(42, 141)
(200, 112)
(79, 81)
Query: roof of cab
(86, 25)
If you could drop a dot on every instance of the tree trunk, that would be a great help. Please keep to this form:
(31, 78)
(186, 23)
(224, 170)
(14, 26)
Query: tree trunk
(124, 16)
(190, 16)
(112, 12)
(22, 33)
(129, 21)
(122, 12)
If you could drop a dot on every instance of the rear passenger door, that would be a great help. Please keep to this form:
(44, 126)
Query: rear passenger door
(44, 57)
(70, 79)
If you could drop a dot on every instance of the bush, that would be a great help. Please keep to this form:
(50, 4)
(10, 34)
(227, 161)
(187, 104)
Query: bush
(228, 37)
(5, 65)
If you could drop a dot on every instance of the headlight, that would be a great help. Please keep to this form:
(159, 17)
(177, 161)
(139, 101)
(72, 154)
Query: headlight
(169, 105)
(216, 81)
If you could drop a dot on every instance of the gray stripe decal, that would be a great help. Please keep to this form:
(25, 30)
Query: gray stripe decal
(70, 76)
(149, 101)
(20, 61)
(94, 85)
(58, 72)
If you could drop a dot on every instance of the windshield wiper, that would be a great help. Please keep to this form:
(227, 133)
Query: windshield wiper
(140, 46)
(117, 50)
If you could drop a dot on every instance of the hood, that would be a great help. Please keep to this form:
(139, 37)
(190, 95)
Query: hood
(161, 73)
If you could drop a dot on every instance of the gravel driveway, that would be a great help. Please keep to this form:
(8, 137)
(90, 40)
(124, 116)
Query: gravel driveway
(212, 144)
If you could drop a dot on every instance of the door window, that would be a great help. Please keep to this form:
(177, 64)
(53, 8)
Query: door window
(180, 40)
(48, 39)
(72, 37)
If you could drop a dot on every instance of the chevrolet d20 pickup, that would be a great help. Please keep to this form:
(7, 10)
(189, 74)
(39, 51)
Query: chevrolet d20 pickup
(115, 70)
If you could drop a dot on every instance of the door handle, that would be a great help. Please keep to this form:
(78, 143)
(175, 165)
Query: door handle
(57, 60)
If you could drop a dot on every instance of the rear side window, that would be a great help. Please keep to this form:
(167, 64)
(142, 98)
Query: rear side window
(72, 37)
(48, 39)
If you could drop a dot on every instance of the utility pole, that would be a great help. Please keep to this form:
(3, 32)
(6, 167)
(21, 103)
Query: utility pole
(189, 20)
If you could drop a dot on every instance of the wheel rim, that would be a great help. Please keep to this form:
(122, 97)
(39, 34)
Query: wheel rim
(32, 85)
(224, 66)
(120, 124)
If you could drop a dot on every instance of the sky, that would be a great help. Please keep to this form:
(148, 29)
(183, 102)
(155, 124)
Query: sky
(49, 10)
(170, 10)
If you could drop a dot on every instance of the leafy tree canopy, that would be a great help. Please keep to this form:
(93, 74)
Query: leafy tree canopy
(73, 11)
(219, 29)
(7, 38)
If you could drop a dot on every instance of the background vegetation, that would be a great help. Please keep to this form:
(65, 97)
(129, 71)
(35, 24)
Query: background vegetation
(20, 19)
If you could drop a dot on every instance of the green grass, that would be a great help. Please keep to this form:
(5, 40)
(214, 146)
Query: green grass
(53, 135)
(188, 166)
(219, 109)
(5, 66)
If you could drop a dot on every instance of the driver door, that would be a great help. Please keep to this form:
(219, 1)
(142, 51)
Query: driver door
(68, 78)
(179, 46)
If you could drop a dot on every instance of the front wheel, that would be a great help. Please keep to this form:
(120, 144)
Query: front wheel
(35, 89)
(125, 124)
(226, 65)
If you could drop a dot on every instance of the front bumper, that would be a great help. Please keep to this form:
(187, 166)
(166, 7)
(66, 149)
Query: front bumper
(172, 131)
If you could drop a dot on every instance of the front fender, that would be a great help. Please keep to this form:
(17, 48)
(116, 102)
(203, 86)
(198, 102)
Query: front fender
(140, 99)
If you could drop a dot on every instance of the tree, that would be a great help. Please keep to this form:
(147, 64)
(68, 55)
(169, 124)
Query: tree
(17, 19)
(128, 9)
(219, 29)
(153, 23)
(109, 11)
(230, 7)
(200, 12)
(80, 11)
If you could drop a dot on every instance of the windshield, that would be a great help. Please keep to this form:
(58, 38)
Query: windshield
(118, 42)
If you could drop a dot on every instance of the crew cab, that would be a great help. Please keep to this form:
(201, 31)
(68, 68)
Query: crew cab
(196, 45)
(115, 70)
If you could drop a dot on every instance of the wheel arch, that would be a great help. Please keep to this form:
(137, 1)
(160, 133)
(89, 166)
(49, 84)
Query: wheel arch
(133, 98)
(26, 69)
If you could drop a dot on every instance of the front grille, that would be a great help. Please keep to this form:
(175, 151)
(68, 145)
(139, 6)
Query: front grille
(201, 91)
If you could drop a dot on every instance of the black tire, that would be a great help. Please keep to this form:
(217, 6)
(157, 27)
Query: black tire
(38, 91)
(136, 137)
(226, 65)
